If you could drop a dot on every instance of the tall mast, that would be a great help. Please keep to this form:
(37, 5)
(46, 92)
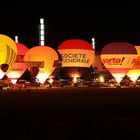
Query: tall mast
(41, 32)
(16, 39)
(93, 43)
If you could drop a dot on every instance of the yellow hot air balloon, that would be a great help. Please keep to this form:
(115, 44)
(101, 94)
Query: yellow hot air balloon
(134, 73)
(41, 61)
(8, 52)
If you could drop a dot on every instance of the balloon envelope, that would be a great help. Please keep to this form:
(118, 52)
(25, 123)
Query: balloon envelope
(44, 58)
(77, 55)
(118, 57)
(8, 53)
(19, 66)
(134, 73)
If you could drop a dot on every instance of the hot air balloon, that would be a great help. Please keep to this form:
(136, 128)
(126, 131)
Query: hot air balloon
(19, 66)
(41, 61)
(134, 73)
(8, 53)
(77, 56)
(118, 58)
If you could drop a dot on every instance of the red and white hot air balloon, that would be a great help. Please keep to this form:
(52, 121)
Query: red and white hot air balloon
(19, 66)
(118, 58)
(77, 56)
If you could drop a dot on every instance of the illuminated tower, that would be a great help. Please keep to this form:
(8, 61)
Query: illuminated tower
(16, 39)
(93, 43)
(41, 32)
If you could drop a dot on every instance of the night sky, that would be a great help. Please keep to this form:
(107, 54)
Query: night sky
(72, 20)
